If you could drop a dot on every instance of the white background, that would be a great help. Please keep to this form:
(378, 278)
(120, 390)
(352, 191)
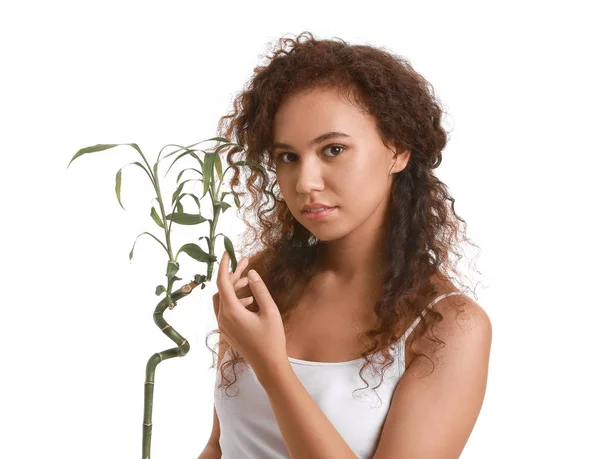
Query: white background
(519, 81)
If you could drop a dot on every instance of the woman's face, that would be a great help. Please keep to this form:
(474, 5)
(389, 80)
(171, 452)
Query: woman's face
(352, 172)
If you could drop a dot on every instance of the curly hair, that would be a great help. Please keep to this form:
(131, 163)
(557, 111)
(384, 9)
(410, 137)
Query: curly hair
(422, 230)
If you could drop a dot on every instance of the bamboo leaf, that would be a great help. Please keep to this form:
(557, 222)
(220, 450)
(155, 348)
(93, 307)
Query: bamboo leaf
(207, 168)
(236, 198)
(156, 217)
(118, 188)
(247, 163)
(180, 188)
(227, 144)
(189, 152)
(172, 268)
(188, 148)
(230, 250)
(177, 191)
(194, 251)
(101, 147)
(223, 205)
(186, 219)
(219, 167)
(199, 278)
(93, 149)
(193, 196)
(187, 169)
(179, 207)
(149, 234)
(118, 180)
(159, 289)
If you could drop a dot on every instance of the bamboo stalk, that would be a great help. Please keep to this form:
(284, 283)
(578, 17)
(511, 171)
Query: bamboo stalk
(212, 163)
(181, 350)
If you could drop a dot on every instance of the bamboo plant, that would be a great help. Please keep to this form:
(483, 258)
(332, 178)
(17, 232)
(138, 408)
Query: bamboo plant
(164, 220)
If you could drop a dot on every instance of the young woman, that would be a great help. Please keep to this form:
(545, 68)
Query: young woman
(359, 289)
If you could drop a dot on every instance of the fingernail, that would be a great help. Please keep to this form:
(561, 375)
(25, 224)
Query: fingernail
(253, 275)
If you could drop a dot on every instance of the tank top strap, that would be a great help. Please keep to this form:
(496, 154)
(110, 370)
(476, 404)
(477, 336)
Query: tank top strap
(402, 341)
(418, 319)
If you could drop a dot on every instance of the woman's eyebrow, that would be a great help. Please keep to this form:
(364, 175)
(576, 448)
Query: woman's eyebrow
(321, 138)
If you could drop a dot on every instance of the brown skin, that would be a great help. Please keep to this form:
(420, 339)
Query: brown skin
(358, 179)
(316, 319)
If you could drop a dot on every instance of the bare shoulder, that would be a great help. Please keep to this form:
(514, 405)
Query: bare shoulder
(464, 322)
(440, 395)
(463, 318)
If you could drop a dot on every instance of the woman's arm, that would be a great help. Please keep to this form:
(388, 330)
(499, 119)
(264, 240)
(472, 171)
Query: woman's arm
(211, 451)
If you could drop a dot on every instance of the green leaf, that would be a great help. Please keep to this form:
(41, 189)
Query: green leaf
(179, 207)
(199, 278)
(188, 148)
(188, 152)
(172, 268)
(105, 146)
(177, 191)
(187, 169)
(159, 289)
(219, 167)
(118, 187)
(223, 205)
(236, 198)
(218, 139)
(207, 176)
(194, 251)
(93, 149)
(155, 217)
(230, 250)
(186, 219)
(149, 234)
(207, 240)
(180, 188)
(118, 180)
(227, 144)
(194, 197)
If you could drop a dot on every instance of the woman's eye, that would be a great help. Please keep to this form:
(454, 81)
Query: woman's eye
(281, 155)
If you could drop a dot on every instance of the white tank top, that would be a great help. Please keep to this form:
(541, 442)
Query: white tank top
(248, 425)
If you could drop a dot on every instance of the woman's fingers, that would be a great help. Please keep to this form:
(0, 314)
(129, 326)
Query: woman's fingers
(234, 277)
(247, 300)
(241, 283)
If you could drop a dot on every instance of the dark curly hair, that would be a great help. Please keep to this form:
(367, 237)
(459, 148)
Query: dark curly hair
(422, 230)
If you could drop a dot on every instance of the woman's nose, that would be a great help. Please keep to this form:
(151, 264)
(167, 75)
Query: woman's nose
(309, 178)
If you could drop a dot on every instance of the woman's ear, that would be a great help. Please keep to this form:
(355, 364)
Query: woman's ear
(400, 160)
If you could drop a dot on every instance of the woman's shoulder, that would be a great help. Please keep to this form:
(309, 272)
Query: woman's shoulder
(458, 311)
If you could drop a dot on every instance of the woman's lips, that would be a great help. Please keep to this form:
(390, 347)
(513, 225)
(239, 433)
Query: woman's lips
(320, 215)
